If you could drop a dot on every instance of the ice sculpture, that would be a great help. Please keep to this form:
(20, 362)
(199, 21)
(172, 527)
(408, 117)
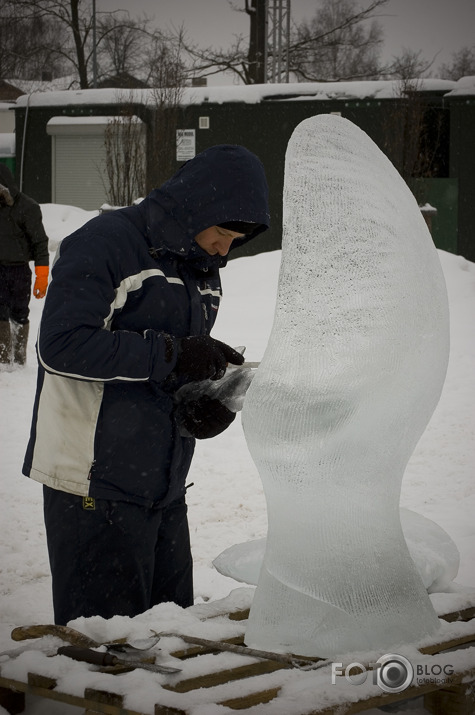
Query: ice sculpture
(434, 553)
(352, 372)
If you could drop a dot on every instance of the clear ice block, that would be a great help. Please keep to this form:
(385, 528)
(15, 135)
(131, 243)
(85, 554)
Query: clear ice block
(352, 372)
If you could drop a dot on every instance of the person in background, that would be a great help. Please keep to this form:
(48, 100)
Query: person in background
(22, 239)
(133, 297)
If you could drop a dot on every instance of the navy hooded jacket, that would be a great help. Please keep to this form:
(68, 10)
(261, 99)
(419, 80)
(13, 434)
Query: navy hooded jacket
(103, 423)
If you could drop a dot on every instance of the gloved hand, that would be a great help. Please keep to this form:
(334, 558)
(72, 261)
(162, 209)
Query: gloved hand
(41, 282)
(204, 418)
(201, 357)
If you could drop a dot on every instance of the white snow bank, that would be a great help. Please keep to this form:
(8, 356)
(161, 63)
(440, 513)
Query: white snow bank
(60, 220)
(250, 94)
(463, 86)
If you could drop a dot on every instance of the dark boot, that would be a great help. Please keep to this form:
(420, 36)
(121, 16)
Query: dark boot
(20, 341)
(5, 342)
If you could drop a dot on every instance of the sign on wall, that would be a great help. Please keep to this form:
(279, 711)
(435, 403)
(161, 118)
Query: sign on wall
(185, 144)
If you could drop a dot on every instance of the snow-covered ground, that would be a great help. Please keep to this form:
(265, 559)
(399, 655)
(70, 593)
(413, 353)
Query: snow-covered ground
(226, 503)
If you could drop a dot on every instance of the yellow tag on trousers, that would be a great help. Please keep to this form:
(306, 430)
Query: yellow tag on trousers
(88, 503)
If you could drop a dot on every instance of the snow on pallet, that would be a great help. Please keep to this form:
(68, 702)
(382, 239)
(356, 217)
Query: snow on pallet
(213, 676)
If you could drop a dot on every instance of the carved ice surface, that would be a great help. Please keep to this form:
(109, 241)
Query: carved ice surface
(353, 370)
(434, 553)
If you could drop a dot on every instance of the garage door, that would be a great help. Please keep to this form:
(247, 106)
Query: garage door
(78, 171)
(79, 158)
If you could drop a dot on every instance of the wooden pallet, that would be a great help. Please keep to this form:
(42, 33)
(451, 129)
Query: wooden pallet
(223, 686)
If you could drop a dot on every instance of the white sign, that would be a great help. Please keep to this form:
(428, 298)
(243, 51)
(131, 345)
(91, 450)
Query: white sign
(185, 144)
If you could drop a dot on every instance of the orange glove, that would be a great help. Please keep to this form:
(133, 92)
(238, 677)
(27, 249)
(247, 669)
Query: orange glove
(41, 282)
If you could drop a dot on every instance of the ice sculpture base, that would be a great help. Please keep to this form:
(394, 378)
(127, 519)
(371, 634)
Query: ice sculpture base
(433, 551)
(324, 630)
(326, 607)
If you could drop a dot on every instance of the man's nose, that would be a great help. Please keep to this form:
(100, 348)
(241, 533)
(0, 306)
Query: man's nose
(224, 245)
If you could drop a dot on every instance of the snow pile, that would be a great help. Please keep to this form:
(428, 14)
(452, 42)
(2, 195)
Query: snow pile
(60, 220)
(463, 87)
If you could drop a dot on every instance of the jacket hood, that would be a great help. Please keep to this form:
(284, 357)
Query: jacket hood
(223, 183)
(7, 180)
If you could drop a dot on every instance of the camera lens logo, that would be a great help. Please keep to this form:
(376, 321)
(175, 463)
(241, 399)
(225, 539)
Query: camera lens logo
(395, 673)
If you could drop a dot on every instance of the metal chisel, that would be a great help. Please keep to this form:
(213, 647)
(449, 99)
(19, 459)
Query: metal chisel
(94, 657)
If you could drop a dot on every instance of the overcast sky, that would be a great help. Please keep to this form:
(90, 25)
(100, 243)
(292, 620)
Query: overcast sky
(437, 27)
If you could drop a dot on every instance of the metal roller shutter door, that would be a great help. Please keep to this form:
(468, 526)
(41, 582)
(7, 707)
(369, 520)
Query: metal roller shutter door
(78, 163)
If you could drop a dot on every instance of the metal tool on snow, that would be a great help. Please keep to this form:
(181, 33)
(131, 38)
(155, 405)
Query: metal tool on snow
(129, 654)
(94, 657)
(136, 649)
(292, 661)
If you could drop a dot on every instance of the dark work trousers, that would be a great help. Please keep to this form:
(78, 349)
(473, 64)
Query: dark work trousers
(112, 558)
(15, 292)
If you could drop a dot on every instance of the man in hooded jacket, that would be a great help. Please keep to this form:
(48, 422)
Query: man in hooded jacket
(132, 300)
(22, 239)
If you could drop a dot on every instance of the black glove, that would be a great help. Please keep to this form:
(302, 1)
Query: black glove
(201, 357)
(204, 418)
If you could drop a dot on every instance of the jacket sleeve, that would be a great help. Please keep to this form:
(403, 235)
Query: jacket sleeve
(32, 226)
(75, 339)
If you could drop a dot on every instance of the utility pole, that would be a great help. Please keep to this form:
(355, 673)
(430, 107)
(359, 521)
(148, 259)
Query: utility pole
(269, 40)
(257, 11)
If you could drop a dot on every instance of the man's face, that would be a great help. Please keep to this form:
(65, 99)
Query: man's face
(216, 240)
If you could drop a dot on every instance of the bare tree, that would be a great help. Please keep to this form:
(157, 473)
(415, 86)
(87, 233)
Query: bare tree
(413, 136)
(234, 60)
(124, 141)
(76, 21)
(130, 47)
(409, 65)
(117, 36)
(342, 41)
(337, 44)
(121, 49)
(28, 45)
(168, 76)
(462, 65)
(131, 171)
(405, 124)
